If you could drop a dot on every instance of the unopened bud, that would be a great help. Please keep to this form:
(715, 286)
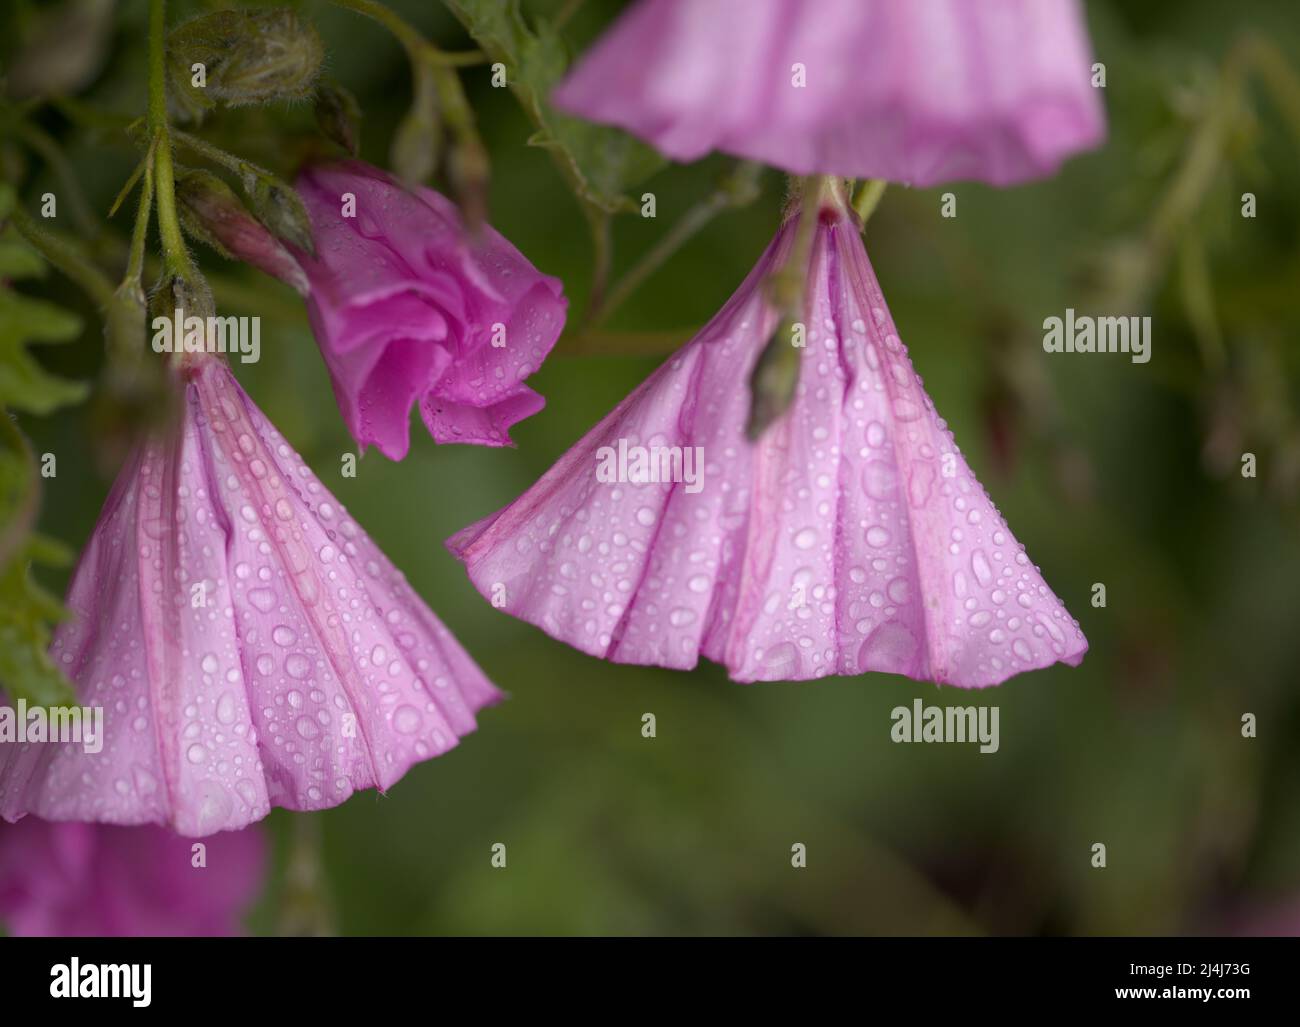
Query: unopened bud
(278, 206)
(212, 213)
(175, 292)
(774, 380)
(133, 398)
(418, 139)
(468, 172)
(338, 115)
(246, 57)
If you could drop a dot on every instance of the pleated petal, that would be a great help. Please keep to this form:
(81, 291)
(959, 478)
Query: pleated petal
(851, 537)
(250, 646)
(915, 91)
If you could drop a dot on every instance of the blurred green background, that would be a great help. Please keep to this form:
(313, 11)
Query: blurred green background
(1107, 471)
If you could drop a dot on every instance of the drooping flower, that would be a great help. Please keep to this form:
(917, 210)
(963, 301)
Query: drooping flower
(851, 537)
(99, 880)
(915, 91)
(407, 307)
(248, 643)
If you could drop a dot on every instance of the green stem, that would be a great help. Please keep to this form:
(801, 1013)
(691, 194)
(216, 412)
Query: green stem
(464, 59)
(176, 255)
(786, 285)
(404, 31)
(470, 168)
(602, 255)
(65, 257)
(135, 260)
(868, 198)
(130, 183)
(49, 151)
(738, 189)
(223, 158)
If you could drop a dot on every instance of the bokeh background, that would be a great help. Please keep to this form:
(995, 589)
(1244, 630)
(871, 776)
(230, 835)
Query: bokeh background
(1108, 471)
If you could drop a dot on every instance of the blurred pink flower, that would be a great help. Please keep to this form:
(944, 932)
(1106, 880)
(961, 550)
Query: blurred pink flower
(406, 307)
(851, 537)
(95, 880)
(915, 91)
(249, 645)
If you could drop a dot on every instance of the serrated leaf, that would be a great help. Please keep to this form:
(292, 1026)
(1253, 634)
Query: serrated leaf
(602, 162)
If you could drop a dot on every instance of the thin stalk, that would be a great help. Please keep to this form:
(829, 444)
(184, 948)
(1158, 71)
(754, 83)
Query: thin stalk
(868, 198)
(130, 183)
(218, 156)
(472, 161)
(175, 254)
(64, 256)
(49, 151)
(739, 188)
(139, 235)
(602, 245)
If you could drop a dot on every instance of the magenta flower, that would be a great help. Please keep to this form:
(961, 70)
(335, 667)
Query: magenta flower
(95, 880)
(851, 537)
(249, 645)
(405, 307)
(915, 91)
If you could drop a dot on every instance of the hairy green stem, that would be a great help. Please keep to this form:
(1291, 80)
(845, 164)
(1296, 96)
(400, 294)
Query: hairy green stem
(175, 254)
(135, 259)
(65, 257)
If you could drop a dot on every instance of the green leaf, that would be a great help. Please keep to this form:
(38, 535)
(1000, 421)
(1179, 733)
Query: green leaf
(26, 610)
(601, 162)
(24, 384)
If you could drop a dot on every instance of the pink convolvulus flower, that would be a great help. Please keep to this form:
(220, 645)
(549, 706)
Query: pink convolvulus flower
(100, 880)
(407, 307)
(915, 91)
(249, 644)
(851, 537)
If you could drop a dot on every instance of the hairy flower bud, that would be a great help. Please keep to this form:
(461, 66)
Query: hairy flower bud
(278, 206)
(237, 58)
(213, 214)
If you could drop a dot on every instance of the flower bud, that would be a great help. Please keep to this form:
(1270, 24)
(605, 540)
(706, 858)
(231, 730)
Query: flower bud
(773, 382)
(133, 398)
(418, 139)
(337, 116)
(246, 57)
(212, 213)
(280, 208)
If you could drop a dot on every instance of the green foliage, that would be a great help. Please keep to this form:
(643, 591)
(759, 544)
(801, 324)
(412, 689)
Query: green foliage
(601, 162)
(26, 609)
(26, 612)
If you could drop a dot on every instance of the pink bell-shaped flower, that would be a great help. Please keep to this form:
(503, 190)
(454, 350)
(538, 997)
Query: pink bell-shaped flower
(915, 91)
(100, 880)
(407, 308)
(248, 643)
(851, 537)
